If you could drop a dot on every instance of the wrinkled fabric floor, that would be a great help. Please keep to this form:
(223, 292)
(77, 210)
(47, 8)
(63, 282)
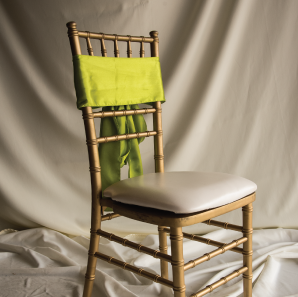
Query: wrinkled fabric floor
(42, 262)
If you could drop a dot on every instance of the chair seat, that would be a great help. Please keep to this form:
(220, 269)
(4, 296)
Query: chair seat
(181, 192)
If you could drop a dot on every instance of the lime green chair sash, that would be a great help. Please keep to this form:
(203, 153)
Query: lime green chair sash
(102, 81)
(118, 84)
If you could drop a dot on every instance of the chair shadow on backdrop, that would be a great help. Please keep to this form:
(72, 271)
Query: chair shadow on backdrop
(169, 200)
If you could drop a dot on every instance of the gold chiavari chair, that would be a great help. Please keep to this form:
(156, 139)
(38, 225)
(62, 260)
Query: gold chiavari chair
(223, 193)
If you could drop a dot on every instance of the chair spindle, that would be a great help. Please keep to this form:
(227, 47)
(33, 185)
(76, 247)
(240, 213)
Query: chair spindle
(89, 46)
(129, 51)
(142, 50)
(116, 49)
(103, 46)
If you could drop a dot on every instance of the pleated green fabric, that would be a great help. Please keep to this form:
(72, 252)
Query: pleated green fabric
(118, 84)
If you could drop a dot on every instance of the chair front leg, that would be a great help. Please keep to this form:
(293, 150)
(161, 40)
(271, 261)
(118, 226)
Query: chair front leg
(176, 237)
(247, 249)
(163, 247)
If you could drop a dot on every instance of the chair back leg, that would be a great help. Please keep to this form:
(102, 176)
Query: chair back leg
(94, 241)
(176, 237)
(91, 266)
(163, 247)
(247, 249)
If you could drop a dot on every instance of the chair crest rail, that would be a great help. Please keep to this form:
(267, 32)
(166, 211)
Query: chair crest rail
(219, 283)
(208, 256)
(155, 277)
(135, 246)
(125, 136)
(91, 35)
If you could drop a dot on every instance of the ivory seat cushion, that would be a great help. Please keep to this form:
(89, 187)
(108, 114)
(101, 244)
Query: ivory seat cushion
(181, 192)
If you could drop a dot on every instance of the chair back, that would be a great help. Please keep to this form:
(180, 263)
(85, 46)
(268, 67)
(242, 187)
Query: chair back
(89, 116)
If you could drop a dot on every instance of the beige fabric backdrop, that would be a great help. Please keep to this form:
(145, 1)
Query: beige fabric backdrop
(230, 78)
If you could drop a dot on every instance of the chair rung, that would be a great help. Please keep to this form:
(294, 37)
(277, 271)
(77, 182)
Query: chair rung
(118, 113)
(208, 256)
(206, 241)
(155, 277)
(224, 225)
(219, 283)
(110, 216)
(126, 136)
(138, 247)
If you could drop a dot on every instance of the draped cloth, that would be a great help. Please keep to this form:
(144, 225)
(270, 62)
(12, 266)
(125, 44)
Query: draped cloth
(114, 155)
(118, 84)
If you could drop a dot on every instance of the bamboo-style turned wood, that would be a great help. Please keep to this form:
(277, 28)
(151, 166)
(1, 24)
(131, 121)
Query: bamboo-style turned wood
(118, 113)
(208, 256)
(89, 47)
(142, 50)
(223, 225)
(177, 261)
(138, 247)
(129, 51)
(95, 175)
(125, 136)
(159, 167)
(163, 247)
(110, 216)
(157, 120)
(247, 249)
(73, 36)
(154, 277)
(102, 36)
(96, 193)
(102, 45)
(206, 241)
(222, 281)
(116, 49)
